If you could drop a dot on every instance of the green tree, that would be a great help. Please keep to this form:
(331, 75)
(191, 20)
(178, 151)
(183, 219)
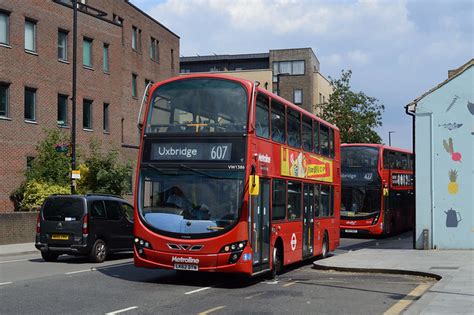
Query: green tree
(102, 173)
(355, 114)
(51, 166)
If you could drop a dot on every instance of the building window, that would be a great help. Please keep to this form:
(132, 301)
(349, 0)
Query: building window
(30, 35)
(136, 38)
(4, 28)
(4, 100)
(87, 52)
(105, 122)
(287, 67)
(297, 96)
(117, 19)
(87, 114)
(154, 53)
(30, 104)
(134, 85)
(62, 110)
(62, 45)
(172, 58)
(105, 58)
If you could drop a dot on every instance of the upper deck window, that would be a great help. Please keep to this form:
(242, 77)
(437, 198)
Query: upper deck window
(359, 156)
(198, 106)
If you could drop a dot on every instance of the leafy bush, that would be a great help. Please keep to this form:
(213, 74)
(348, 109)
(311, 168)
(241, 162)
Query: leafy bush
(17, 196)
(36, 192)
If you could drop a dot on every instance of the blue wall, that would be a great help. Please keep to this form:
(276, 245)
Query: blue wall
(444, 131)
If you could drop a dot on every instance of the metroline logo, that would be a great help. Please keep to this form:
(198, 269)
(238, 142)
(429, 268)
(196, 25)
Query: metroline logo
(188, 260)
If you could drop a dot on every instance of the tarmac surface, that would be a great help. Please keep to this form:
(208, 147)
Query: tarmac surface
(452, 294)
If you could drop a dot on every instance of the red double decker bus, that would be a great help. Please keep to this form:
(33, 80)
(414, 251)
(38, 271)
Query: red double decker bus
(377, 189)
(232, 178)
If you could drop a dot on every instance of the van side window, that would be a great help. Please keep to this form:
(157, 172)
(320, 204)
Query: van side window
(113, 210)
(128, 211)
(97, 209)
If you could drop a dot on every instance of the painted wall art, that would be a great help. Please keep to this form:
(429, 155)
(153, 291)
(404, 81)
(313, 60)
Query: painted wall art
(449, 147)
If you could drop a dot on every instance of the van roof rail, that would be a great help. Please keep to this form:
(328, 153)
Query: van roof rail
(105, 195)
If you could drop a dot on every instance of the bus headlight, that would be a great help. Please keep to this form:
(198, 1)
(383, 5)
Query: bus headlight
(140, 244)
(235, 249)
(376, 219)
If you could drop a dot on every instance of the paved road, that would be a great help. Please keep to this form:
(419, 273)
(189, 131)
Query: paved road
(30, 286)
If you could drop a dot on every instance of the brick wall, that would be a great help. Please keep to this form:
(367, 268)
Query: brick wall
(49, 76)
(18, 227)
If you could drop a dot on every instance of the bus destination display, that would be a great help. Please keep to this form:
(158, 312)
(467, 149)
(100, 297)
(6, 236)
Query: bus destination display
(191, 151)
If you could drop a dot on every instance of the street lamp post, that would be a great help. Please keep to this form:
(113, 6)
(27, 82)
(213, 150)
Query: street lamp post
(74, 87)
(390, 137)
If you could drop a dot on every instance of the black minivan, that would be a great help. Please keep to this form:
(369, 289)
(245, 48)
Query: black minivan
(92, 224)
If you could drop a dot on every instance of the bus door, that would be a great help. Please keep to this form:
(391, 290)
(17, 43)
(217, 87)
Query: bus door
(308, 221)
(261, 227)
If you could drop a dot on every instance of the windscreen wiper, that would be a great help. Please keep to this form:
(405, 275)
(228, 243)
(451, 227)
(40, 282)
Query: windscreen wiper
(199, 172)
(156, 169)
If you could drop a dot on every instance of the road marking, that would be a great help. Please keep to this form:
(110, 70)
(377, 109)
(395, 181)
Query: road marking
(255, 295)
(199, 290)
(79, 271)
(5, 283)
(290, 284)
(415, 294)
(212, 310)
(11, 261)
(122, 310)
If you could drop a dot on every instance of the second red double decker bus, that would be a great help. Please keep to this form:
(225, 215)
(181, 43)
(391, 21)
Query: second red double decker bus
(377, 189)
(232, 178)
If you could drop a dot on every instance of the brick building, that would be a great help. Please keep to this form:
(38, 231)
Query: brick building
(119, 50)
(294, 73)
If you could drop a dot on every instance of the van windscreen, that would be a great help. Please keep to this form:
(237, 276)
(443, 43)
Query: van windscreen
(63, 209)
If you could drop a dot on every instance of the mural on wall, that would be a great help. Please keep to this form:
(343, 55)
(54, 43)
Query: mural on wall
(453, 217)
(453, 185)
(455, 98)
(448, 146)
(470, 107)
(451, 126)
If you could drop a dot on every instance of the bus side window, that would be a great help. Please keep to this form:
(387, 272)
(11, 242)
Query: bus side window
(278, 199)
(278, 122)
(404, 161)
(331, 142)
(294, 200)
(324, 140)
(325, 200)
(315, 136)
(317, 200)
(262, 120)
(307, 134)
(294, 128)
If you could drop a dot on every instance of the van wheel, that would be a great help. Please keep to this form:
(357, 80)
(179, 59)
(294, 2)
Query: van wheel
(325, 247)
(49, 256)
(98, 252)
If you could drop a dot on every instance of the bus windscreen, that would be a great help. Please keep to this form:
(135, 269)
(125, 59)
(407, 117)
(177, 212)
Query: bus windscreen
(198, 105)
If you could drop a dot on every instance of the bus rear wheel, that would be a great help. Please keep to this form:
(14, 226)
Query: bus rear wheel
(277, 262)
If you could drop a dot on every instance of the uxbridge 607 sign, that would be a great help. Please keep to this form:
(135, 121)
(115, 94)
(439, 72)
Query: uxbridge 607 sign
(191, 151)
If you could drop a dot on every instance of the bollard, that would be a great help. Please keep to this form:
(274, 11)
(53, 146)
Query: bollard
(426, 241)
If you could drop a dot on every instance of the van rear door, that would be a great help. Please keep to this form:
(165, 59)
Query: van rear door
(61, 223)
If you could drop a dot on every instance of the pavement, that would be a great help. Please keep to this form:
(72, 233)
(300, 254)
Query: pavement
(452, 294)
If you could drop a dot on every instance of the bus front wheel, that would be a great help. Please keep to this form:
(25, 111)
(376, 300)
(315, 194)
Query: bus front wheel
(277, 261)
(325, 246)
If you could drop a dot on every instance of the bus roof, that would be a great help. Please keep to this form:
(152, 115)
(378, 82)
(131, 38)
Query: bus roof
(249, 84)
(376, 145)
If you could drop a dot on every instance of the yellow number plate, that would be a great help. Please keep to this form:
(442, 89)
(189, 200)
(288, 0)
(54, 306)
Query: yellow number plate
(62, 237)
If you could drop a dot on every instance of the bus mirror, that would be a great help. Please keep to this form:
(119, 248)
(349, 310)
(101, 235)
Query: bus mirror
(254, 185)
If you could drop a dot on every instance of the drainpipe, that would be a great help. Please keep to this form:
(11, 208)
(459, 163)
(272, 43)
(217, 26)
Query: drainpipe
(412, 114)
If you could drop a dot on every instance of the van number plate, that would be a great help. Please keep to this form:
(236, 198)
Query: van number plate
(186, 267)
(62, 237)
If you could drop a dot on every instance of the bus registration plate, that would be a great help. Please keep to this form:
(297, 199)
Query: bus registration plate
(350, 231)
(186, 267)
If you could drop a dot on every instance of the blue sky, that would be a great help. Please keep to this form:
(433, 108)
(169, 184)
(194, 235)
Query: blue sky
(397, 50)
